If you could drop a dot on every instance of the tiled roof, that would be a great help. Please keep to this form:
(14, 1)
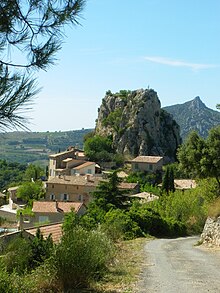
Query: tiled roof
(60, 154)
(75, 180)
(66, 207)
(147, 159)
(146, 196)
(55, 207)
(86, 164)
(184, 183)
(126, 185)
(54, 229)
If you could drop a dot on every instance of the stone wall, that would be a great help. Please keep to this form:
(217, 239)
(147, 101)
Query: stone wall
(211, 232)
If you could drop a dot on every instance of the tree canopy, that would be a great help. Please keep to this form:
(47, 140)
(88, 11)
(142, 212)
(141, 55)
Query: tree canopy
(31, 33)
(201, 157)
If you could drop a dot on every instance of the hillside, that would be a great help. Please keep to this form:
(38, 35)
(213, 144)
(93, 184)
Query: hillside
(194, 115)
(34, 147)
(137, 124)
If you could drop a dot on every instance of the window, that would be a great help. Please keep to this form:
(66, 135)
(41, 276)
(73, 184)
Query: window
(80, 197)
(43, 219)
(136, 166)
(89, 171)
(52, 186)
(64, 197)
(52, 196)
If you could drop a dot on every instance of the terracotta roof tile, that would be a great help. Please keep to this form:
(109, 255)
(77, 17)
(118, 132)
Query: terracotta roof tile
(54, 229)
(147, 159)
(55, 207)
(75, 180)
(44, 207)
(84, 165)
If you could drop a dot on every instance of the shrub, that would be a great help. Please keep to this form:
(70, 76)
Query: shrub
(118, 225)
(81, 257)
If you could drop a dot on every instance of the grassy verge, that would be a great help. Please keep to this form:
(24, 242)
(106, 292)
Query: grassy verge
(125, 270)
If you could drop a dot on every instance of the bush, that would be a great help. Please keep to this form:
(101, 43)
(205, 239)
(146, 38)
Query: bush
(118, 225)
(81, 257)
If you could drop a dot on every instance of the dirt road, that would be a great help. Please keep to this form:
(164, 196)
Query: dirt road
(177, 266)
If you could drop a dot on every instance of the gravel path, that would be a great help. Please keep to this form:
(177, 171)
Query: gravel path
(177, 266)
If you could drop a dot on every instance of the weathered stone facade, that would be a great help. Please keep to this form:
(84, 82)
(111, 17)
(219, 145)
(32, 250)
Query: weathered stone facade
(211, 232)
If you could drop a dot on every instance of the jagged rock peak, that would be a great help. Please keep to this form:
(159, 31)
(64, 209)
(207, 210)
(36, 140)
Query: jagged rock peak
(137, 123)
(194, 115)
(197, 103)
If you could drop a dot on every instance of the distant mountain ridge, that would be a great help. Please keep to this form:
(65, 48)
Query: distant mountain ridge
(194, 115)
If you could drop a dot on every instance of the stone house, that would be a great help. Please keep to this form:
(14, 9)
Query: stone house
(78, 188)
(147, 164)
(62, 163)
(51, 212)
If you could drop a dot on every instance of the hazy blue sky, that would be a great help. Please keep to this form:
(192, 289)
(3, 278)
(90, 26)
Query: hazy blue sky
(172, 46)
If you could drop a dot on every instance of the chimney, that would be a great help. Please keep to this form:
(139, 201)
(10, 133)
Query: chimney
(20, 224)
(56, 205)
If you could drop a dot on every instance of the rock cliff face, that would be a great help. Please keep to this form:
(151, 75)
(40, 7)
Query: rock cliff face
(194, 115)
(137, 124)
(211, 232)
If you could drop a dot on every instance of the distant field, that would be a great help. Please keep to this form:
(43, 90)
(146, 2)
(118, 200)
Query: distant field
(34, 147)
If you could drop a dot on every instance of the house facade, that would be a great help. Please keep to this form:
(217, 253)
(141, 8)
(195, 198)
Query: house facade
(51, 212)
(149, 164)
(62, 163)
(78, 188)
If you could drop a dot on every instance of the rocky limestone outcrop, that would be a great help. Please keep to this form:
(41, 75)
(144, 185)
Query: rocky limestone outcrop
(137, 124)
(194, 115)
(211, 233)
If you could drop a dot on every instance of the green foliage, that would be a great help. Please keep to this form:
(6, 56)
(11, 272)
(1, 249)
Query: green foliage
(113, 119)
(119, 225)
(82, 256)
(10, 172)
(17, 256)
(99, 149)
(41, 249)
(22, 255)
(147, 181)
(38, 39)
(168, 179)
(33, 172)
(30, 191)
(108, 195)
(199, 157)
(189, 207)
(25, 212)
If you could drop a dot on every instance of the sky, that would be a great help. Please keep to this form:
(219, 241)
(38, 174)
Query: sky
(171, 46)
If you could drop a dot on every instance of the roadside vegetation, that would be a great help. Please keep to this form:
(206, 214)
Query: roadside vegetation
(94, 249)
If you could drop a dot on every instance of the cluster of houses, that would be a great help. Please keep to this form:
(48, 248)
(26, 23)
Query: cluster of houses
(71, 182)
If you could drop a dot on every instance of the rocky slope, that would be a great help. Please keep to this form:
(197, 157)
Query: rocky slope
(194, 115)
(137, 124)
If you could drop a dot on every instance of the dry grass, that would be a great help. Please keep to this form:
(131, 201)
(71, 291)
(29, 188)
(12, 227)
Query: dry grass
(124, 272)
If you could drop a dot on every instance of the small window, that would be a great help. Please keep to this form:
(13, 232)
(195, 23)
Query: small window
(65, 196)
(80, 197)
(89, 171)
(43, 219)
(136, 166)
(52, 197)
(52, 186)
